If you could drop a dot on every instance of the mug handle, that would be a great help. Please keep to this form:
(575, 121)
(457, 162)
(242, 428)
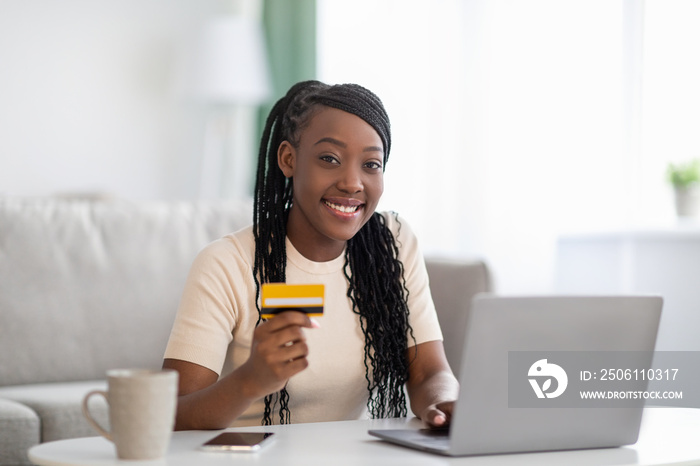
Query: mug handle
(90, 419)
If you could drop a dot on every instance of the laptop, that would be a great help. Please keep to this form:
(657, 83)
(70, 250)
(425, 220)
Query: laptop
(525, 362)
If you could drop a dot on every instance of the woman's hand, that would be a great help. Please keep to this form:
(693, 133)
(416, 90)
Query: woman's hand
(278, 352)
(438, 415)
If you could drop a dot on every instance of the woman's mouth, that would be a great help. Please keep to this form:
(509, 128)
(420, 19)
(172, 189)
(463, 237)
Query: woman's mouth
(343, 208)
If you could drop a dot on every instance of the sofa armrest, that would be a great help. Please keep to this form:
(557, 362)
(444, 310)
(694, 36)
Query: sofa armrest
(453, 283)
(19, 430)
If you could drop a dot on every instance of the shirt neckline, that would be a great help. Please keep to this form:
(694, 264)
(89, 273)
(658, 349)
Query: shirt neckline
(331, 266)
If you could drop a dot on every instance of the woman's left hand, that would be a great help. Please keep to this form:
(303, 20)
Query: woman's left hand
(438, 415)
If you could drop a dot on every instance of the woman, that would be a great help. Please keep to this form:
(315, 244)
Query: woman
(320, 178)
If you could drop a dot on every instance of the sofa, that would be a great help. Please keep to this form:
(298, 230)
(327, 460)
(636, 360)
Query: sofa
(89, 285)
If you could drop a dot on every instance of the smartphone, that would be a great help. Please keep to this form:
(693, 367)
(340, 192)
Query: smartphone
(238, 441)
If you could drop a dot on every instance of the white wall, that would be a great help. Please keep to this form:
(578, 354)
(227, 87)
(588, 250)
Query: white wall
(89, 97)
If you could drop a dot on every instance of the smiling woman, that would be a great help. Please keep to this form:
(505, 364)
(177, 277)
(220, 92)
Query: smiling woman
(320, 178)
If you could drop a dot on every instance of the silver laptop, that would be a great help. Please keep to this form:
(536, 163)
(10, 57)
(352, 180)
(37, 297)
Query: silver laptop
(526, 362)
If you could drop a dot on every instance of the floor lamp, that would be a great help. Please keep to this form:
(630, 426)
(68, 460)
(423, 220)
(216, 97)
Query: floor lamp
(232, 79)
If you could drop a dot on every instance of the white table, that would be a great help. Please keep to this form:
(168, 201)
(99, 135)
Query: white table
(668, 436)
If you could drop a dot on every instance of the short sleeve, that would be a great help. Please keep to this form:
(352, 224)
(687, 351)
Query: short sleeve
(215, 299)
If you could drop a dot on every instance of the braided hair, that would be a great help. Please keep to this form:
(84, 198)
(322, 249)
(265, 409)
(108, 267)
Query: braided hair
(376, 284)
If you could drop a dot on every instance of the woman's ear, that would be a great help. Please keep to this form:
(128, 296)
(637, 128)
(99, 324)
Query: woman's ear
(286, 158)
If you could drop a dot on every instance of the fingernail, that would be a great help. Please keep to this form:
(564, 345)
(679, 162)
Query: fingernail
(314, 323)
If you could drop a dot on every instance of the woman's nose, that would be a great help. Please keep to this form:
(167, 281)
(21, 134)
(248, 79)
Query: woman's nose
(351, 181)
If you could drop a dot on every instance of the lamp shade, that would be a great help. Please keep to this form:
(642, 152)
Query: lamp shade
(231, 65)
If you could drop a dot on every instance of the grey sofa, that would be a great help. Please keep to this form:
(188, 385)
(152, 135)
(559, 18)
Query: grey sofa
(86, 286)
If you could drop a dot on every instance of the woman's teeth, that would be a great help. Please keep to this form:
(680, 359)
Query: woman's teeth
(345, 209)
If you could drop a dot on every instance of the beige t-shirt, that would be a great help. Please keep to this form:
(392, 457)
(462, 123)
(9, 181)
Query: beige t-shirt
(217, 316)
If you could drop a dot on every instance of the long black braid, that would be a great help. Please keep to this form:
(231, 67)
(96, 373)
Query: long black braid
(376, 285)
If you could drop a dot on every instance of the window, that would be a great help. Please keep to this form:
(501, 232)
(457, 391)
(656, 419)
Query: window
(513, 121)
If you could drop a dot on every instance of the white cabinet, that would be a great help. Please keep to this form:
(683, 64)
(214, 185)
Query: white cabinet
(663, 261)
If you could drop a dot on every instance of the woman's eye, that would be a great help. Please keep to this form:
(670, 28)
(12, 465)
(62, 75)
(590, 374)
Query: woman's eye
(373, 165)
(329, 159)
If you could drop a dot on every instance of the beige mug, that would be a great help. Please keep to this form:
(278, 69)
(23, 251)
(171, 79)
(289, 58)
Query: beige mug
(142, 405)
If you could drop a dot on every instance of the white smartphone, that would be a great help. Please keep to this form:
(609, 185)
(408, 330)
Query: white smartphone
(238, 441)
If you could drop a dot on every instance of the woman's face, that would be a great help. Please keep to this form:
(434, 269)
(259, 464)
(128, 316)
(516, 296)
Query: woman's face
(337, 171)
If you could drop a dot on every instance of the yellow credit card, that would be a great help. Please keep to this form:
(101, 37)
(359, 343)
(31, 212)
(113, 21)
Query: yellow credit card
(280, 297)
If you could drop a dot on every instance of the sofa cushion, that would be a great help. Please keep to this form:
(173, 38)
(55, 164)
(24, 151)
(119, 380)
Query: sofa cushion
(19, 430)
(86, 286)
(59, 405)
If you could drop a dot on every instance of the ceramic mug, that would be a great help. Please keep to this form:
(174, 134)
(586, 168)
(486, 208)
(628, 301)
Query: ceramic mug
(142, 406)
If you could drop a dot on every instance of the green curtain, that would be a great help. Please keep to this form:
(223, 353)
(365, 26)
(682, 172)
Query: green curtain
(290, 32)
(290, 29)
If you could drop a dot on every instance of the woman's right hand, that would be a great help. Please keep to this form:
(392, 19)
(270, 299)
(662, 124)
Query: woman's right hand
(278, 352)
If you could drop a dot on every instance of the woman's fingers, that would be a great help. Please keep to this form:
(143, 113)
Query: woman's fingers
(292, 350)
(439, 415)
(287, 318)
(273, 337)
(279, 349)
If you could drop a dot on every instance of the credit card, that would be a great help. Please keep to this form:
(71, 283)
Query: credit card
(280, 297)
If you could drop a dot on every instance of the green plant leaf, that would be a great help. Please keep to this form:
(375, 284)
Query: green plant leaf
(684, 174)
